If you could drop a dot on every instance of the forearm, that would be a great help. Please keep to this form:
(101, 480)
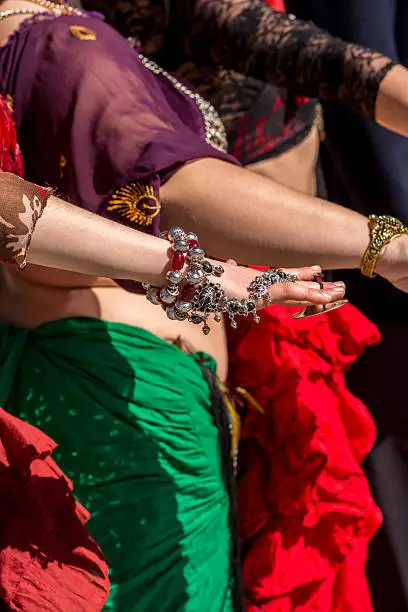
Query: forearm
(392, 101)
(254, 220)
(72, 239)
(69, 238)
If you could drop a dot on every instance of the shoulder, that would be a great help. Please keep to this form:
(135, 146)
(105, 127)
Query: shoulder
(72, 42)
(76, 35)
(63, 49)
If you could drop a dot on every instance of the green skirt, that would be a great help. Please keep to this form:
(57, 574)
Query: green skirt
(131, 415)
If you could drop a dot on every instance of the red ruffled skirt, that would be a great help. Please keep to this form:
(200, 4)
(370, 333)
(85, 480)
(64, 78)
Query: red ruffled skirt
(306, 511)
(48, 561)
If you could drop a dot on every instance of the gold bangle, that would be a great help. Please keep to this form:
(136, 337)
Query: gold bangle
(383, 229)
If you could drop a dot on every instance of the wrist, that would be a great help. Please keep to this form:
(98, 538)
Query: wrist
(393, 256)
(384, 230)
(151, 261)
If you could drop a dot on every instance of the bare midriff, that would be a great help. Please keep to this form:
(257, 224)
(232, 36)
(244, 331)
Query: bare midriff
(296, 168)
(38, 295)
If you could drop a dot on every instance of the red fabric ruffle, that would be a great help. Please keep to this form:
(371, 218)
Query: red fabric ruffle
(306, 512)
(11, 159)
(48, 561)
(278, 5)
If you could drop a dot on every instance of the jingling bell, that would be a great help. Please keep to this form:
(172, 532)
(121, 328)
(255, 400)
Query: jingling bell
(166, 297)
(191, 236)
(153, 295)
(176, 233)
(181, 246)
(194, 277)
(171, 313)
(183, 306)
(196, 253)
(174, 276)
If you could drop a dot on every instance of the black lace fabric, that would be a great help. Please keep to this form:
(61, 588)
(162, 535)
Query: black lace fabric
(251, 38)
(206, 39)
(146, 20)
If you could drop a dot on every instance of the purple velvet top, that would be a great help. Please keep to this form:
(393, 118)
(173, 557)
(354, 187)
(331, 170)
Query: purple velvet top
(94, 122)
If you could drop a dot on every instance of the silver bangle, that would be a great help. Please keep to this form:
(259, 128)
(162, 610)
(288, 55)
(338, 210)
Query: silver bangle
(190, 295)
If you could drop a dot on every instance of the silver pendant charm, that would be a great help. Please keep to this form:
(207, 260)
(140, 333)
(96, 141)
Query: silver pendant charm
(183, 306)
(152, 295)
(194, 277)
(176, 233)
(195, 253)
(181, 246)
(167, 297)
(171, 313)
(174, 276)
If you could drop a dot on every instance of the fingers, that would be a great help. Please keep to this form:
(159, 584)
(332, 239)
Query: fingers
(304, 274)
(336, 294)
(301, 292)
(324, 286)
(322, 307)
(335, 290)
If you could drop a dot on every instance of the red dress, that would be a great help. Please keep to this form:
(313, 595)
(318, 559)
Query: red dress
(270, 125)
(48, 561)
(305, 508)
(278, 5)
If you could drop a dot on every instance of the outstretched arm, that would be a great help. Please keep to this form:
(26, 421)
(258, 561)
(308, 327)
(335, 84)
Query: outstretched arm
(41, 229)
(123, 126)
(257, 221)
(250, 37)
(70, 238)
(36, 227)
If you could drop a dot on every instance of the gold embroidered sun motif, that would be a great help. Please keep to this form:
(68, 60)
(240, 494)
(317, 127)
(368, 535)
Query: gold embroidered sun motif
(136, 202)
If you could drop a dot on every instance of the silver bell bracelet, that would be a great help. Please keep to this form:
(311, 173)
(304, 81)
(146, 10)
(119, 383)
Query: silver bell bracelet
(190, 295)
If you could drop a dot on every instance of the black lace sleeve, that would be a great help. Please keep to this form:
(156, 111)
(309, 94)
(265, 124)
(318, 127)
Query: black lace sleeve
(146, 20)
(248, 36)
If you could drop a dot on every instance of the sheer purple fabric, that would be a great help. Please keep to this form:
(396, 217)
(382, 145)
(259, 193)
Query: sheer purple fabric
(254, 40)
(92, 120)
(233, 50)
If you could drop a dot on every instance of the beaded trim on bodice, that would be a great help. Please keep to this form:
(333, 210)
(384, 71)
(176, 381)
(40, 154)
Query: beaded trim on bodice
(215, 133)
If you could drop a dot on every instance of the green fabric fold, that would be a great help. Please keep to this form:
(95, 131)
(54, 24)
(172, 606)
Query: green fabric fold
(131, 415)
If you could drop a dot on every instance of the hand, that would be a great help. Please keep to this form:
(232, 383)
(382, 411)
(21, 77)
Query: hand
(236, 280)
(393, 263)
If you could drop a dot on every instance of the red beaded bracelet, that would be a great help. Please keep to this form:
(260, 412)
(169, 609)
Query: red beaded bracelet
(188, 271)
